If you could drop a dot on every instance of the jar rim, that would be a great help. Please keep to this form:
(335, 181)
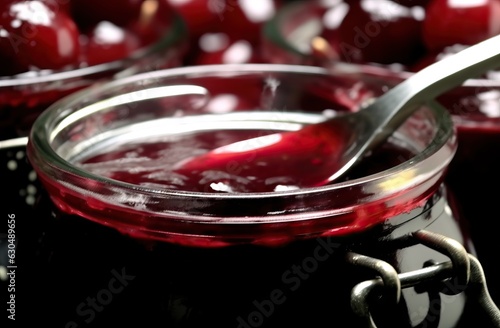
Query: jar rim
(40, 136)
(181, 210)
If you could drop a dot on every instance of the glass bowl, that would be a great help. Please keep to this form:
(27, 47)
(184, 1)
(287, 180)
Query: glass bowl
(232, 99)
(23, 96)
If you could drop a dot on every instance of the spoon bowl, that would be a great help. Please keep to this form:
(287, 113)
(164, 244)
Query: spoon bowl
(327, 150)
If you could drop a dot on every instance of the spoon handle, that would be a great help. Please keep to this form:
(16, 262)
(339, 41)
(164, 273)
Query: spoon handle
(393, 107)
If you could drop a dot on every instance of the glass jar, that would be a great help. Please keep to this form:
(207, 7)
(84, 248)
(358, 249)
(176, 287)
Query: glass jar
(23, 96)
(382, 247)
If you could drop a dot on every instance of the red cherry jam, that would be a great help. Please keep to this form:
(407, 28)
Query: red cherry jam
(140, 149)
(157, 160)
(153, 164)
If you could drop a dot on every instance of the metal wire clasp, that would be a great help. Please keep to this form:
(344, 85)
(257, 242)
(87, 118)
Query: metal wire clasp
(463, 273)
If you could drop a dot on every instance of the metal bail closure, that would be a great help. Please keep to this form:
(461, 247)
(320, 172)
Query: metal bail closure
(463, 273)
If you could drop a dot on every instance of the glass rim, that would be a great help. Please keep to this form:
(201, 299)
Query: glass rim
(40, 136)
(174, 34)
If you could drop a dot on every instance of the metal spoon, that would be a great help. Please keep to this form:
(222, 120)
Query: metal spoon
(322, 152)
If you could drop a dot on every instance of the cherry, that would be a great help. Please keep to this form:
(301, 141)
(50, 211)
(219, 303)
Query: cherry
(153, 22)
(380, 31)
(37, 36)
(13, 67)
(199, 15)
(217, 48)
(57, 5)
(412, 3)
(87, 13)
(242, 93)
(460, 22)
(229, 102)
(108, 42)
(433, 57)
(332, 16)
(7, 55)
(243, 19)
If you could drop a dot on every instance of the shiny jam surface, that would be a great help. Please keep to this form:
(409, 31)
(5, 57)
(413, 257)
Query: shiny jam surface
(153, 164)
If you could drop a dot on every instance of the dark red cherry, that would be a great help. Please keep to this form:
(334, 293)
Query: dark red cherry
(13, 67)
(243, 19)
(87, 13)
(332, 17)
(228, 102)
(412, 3)
(239, 94)
(57, 5)
(154, 21)
(199, 15)
(433, 57)
(381, 31)
(460, 22)
(37, 36)
(217, 48)
(108, 42)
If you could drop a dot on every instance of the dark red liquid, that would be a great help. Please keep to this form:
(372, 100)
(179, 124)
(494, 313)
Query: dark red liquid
(153, 164)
